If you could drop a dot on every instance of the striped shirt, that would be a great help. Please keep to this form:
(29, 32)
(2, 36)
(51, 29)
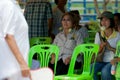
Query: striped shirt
(37, 15)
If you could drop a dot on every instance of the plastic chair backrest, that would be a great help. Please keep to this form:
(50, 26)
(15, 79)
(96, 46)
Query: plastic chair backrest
(44, 52)
(118, 49)
(88, 50)
(40, 40)
(117, 74)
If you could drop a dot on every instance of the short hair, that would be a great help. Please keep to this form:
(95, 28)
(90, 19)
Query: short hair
(56, 2)
(117, 15)
(76, 12)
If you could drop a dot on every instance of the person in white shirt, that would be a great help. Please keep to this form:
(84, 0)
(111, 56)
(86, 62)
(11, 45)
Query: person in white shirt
(107, 41)
(14, 42)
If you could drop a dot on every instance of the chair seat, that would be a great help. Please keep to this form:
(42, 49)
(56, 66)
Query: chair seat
(42, 74)
(73, 77)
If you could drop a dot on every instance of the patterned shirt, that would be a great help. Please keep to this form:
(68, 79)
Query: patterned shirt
(67, 43)
(37, 15)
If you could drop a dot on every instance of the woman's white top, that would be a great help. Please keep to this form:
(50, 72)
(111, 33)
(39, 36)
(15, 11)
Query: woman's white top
(67, 43)
(12, 22)
(113, 39)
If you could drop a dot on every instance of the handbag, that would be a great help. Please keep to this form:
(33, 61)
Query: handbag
(100, 55)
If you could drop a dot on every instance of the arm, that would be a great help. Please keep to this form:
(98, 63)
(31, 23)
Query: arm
(113, 61)
(110, 48)
(102, 44)
(15, 50)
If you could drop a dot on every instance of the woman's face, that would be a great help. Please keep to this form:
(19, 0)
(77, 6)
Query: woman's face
(105, 22)
(67, 22)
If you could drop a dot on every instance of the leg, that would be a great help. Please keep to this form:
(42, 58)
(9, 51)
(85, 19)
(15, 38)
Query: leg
(51, 66)
(106, 72)
(98, 67)
(35, 64)
(78, 67)
(61, 68)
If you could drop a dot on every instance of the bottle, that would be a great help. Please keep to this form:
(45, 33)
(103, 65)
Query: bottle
(113, 69)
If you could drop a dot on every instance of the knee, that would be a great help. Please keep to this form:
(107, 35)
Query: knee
(105, 74)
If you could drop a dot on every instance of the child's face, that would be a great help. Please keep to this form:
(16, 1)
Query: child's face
(67, 22)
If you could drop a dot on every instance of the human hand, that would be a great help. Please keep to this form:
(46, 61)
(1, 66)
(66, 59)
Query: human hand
(25, 71)
(113, 61)
(108, 46)
(52, 59)
(67, 60)
(102, 44)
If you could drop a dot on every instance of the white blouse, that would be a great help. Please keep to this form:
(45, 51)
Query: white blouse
(67, 44)
(108, 55)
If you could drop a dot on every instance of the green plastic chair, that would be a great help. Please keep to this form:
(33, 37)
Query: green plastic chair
(88, 50)
(118, 65)
(44, 52)
(40, 40)
(118, 48)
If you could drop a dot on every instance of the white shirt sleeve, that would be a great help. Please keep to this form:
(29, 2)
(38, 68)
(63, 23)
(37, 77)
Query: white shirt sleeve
(97, 38)
(8, 19)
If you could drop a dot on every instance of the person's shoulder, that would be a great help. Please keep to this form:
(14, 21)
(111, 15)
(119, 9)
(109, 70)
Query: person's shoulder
(118, 33)
(60, 34)
(6, 5)
(48, 4)
(6, 2)
(55, 9)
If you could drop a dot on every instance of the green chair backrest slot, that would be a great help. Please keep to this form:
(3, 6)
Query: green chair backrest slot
(44, 54)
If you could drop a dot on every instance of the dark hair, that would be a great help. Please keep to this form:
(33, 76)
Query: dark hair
(117, 15)
(76, 12)
(112, 23)
(56, 2)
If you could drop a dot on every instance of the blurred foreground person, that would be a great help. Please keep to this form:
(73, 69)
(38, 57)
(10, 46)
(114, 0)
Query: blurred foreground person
(14, 43)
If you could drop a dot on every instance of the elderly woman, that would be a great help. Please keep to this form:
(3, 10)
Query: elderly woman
(67, 40)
